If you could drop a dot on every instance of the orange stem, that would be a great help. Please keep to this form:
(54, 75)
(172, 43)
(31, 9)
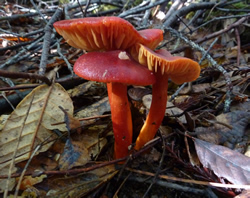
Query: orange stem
(121, 118)
(156, 112)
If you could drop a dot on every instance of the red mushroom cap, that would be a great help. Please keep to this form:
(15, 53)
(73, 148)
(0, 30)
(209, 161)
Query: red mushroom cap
(112, 66)
(151, 37)
(105, 33)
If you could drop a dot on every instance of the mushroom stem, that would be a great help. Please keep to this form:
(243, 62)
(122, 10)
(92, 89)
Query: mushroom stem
(121, 118)
(156, 112)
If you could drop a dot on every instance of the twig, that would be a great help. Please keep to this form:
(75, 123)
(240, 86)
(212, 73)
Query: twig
(15, 75)
(209, 48)
(233, 10)
(38, 11)
(185, 10)
(133, 11)
(213, 62)
(20, 35)
(47, 38)
(18, 16)
(176, 4)
(215, 34)
(177, 92)
(7, 100)
(146, 16)
(32, 33)
(8, 32)
(25, 168)
(83, 3)
(220, 18)
(4, 49)
(19, 55)
(86, 8)
(64, 58)
(237, 35)
(122, 184)
(159, 167)
(87, 5)
(212, 184)
(232, 2)
(170, 185)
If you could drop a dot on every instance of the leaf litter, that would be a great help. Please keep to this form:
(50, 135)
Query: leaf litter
(196, 110)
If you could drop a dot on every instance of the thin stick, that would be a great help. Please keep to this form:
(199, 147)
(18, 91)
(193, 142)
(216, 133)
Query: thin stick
(15, 75)
(212, 184)
(133, 11)
(47, 38)
(237, 35)
(19, 56)
(64, 58)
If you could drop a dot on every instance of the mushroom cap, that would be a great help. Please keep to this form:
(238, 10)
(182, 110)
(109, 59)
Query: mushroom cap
(179, 69)
(112, 66)
(151, 37)
(105, 33)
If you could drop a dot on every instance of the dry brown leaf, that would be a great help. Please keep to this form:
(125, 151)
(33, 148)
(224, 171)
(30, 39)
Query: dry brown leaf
(225, 162)
(88, 88)
(220, 133)
(95, 109)
(30, 124)
(82, 184)
(81, 148)
(29, 181)
(3, 119)
(136, 93)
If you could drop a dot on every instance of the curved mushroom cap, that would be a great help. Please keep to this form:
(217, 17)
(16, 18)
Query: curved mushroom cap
(151, 37)
(112, 66)
(104, 33)
(179, 69)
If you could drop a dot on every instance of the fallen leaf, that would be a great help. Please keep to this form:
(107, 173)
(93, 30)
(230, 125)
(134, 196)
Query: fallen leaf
(29, 181)
(89, 88)
(95, 109)
(226, 163)
(82, 184)
(219, 133)
(30, 124)
(137, 93)
(81, 149)
(3, 119)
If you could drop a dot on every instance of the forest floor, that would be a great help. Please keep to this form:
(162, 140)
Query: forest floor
(56, 137)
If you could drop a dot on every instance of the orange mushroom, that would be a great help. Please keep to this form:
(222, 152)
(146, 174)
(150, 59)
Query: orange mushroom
(165, 66)
(106, 34)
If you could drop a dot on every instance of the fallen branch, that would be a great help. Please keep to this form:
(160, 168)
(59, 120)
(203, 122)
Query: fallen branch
(47, 38)
(15, 75)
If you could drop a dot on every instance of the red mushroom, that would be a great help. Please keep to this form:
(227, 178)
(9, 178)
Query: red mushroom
(117, 69)
(105, 33)
(165, 66)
